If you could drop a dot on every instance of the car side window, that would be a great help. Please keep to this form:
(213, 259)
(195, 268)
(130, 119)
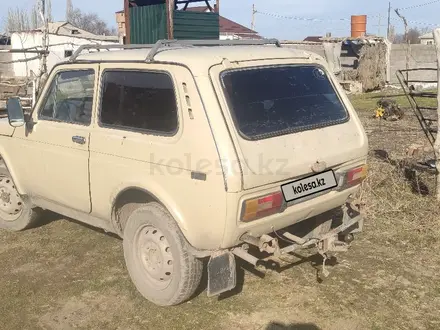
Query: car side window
(70, 98)
(139, 100)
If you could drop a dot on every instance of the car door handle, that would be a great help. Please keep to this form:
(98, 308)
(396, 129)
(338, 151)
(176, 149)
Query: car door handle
(79, 139)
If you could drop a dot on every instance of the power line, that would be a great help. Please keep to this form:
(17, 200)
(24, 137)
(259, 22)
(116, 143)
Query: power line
(420, 5)
(315, 19)
(301, 18)
(417, 23)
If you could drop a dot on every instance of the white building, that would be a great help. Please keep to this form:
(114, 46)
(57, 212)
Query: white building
(63, 40)
(427, 39)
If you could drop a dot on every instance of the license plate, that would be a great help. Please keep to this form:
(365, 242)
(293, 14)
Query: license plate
(309, 186)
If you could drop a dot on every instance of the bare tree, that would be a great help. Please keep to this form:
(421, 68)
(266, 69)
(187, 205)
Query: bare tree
(414, 35)
(89, 22)
(17, 19)
(35, 18)
(49, 10)
(69, 9)
(392, 34)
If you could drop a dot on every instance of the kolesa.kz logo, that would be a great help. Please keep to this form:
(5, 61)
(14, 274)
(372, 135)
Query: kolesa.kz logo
(309, 186)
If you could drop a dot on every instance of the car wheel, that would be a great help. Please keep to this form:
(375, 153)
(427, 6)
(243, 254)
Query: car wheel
(157, 257)
(16, 212)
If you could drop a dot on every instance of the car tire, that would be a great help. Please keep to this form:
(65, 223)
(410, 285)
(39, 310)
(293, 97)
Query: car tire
(157, 257)
(16, 211)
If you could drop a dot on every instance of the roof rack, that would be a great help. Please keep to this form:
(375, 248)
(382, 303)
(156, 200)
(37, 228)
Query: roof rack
(155, 48)
(105, 47)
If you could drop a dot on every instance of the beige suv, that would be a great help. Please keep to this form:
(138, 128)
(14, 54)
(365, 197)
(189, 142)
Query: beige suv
(195, 153)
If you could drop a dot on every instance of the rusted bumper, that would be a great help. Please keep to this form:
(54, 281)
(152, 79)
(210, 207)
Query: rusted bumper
(325, 238)
(336, 239)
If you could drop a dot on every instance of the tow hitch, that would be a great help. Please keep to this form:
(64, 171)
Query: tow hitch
(330, 244)
(222, 268)
(324, 245)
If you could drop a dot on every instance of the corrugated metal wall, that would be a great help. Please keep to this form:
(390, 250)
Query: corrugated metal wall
(148, 24)
(194, 25)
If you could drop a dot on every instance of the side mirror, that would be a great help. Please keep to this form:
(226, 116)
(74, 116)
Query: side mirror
(15, 112)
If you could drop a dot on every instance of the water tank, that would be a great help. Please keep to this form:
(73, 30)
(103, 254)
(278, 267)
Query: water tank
(358, 26)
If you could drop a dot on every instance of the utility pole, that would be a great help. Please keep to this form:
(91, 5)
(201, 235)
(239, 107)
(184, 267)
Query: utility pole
(389, 21)
(253, 17)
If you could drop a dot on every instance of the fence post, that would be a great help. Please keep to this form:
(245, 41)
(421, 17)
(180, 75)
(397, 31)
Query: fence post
(436, 33)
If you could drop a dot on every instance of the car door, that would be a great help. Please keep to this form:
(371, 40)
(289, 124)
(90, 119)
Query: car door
(54, 147)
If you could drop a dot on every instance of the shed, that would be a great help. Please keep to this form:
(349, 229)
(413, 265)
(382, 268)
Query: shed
(147, 21)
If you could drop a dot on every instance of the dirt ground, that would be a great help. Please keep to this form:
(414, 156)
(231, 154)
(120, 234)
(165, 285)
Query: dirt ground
(63, 275)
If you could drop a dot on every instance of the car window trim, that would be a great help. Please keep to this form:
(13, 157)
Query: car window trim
(133, 129)
(46, 96)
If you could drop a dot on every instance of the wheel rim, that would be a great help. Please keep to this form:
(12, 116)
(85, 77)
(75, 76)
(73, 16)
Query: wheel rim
(154, 255)
(11, 204)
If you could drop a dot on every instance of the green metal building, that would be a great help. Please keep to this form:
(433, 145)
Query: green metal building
(149, 20)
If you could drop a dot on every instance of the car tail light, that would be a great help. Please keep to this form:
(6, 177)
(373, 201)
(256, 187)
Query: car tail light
(355, 176)
(258, 208)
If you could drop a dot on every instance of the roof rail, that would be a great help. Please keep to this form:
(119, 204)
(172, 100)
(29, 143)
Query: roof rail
(155, 48)
(189, 43)
(105, 47)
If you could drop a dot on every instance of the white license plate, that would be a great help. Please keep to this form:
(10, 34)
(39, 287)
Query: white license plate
(309, 186)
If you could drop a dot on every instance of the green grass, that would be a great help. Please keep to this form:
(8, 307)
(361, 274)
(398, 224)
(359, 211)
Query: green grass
(368, 101)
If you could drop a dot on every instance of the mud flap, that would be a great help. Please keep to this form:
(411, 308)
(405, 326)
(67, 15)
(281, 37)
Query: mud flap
(222, 273)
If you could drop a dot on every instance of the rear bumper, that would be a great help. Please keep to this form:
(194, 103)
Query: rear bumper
(332, 235)
(324, 238)
(294, 214)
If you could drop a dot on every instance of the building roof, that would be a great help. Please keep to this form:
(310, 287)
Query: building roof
(201, 59)
(200, 9)
(67, 29)
(313, 38)
(429, 35)
(227, 26)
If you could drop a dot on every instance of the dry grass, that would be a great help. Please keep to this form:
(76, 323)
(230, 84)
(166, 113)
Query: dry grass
(66, 276)
(396, 197)
(399, 193)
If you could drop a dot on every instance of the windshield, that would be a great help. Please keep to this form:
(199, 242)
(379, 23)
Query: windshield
(272, 101)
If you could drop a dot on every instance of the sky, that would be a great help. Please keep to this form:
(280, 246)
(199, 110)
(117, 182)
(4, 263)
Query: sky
(287, 19)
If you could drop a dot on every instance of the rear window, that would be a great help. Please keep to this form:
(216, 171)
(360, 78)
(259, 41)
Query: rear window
(271, 101)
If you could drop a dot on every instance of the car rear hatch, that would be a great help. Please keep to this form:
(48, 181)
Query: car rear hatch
(287, 121)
